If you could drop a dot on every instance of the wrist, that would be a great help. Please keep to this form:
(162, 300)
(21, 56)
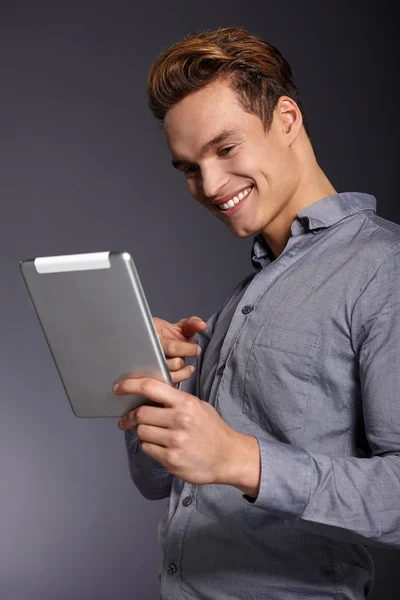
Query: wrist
(244, 464)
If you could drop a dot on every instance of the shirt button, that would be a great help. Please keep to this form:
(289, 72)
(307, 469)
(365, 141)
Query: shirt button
(221, 370)
(187, 501)
(171, 569)
(247, 309)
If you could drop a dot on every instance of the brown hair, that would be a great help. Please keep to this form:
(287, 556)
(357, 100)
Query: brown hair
(257, 72)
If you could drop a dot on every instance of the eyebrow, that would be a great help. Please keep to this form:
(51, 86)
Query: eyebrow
(218, 139)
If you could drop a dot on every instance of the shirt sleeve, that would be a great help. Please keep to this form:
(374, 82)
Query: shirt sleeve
(351, 499)
(149, 476)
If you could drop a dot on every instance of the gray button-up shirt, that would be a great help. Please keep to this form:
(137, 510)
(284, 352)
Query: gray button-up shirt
(305, 356)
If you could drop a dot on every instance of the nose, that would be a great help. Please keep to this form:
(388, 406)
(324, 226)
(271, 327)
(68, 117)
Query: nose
(213, 180)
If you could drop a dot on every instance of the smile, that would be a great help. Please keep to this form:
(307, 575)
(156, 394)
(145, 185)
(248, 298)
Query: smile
(235, 200)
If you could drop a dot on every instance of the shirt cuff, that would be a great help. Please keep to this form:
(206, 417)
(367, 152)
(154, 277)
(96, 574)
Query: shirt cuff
(285, 478)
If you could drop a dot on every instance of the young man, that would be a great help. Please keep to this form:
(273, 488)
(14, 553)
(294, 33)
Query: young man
(280, 454)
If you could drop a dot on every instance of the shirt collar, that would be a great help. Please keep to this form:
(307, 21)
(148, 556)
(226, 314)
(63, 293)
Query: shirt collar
(321, 214)
(332, 209)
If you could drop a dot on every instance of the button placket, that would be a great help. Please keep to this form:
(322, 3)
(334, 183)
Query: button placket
(268, 278)
(175, 537)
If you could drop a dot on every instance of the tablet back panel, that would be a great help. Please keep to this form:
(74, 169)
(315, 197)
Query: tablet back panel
(98, 326)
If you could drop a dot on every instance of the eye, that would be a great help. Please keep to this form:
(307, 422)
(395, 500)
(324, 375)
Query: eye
(190, 170)
(225, 151)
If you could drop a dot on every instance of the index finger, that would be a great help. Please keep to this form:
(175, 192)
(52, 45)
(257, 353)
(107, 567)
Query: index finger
(192, 325)
(174, 348)
(158, 391)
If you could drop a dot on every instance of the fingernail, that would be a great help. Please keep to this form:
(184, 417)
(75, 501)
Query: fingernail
(192, 368)
(115, 388)
(198, 350)
(120, 423)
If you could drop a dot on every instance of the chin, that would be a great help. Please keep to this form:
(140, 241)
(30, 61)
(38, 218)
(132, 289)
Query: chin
(244, 232)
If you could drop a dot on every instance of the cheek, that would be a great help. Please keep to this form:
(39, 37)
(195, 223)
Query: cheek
(243, 164)
(251, 166)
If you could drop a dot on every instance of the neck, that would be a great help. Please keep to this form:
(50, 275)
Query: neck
(313, 186)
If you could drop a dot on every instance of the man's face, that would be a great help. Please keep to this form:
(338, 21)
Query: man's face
(246, 177)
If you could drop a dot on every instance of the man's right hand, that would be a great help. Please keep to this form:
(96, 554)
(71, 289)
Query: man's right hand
(177, 341)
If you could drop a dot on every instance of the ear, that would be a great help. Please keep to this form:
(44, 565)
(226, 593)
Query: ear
(289, 118)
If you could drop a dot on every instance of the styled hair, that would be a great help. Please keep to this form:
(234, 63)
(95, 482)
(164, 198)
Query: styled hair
(256, 71)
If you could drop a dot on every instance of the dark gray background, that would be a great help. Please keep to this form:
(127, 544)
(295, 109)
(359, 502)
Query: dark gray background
(84, 167)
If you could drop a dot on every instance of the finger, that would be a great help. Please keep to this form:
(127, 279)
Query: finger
(155, 390)
(182, 374)
(175, 348)
(129, 420)
(153, 435)
(174, 364)
(192, 325)
(148, 415)
(155, 451)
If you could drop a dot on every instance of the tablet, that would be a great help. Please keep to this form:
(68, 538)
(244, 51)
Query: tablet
(98, 327)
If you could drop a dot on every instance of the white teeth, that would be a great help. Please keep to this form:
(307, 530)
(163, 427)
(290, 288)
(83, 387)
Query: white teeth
(235, 199)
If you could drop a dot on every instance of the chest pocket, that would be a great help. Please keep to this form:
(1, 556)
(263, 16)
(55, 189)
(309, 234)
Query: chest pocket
(277, 378)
